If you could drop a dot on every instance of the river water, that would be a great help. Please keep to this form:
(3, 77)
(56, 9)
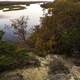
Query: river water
(34, 12)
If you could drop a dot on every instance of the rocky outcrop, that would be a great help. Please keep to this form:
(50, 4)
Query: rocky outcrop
(15, 76)
(53, 67)
(57, 70)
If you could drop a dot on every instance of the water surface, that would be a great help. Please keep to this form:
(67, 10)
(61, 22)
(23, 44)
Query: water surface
(34, 12)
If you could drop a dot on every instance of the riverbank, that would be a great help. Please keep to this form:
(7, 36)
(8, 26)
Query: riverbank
(47, 5)
(3, 3)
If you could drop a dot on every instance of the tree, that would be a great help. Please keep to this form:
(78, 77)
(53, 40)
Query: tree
(20, 27)
(65, 19)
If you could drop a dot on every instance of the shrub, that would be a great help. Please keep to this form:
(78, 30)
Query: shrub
(70, 42)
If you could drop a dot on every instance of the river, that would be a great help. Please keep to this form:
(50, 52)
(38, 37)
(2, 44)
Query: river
(34, 12)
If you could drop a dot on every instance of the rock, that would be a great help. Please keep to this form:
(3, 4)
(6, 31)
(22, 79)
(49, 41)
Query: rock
(59, 77)
(58, 67)
(52, 68)
(57, 70)
(76, 72)
(16, 76)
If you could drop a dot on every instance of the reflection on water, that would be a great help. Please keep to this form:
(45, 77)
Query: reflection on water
(3, 16)
(33, 12)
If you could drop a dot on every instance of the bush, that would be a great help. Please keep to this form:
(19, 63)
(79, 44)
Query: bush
(70, 42)
(11, 58)
(59, 33)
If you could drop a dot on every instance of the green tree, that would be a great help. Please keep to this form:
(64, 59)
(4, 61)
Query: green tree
(49, 36)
